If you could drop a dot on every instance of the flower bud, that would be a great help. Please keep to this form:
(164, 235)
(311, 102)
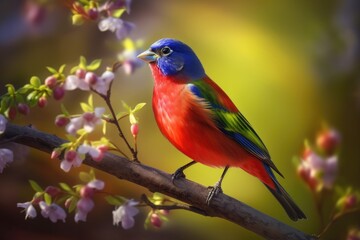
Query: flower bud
(59, 92)
(70, 155)
(80, 73)
(350, 201)
(61, 120)
(42, 102)
(50, 82)
(55, 153)
(155, 220)
(134, 129)
(93, 13)
(90, 78)
(87, 192)
(12, 113)
(52, 191)
(328, 141)
(23, 108)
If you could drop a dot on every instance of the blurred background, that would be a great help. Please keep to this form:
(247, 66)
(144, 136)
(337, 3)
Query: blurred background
(288, 66)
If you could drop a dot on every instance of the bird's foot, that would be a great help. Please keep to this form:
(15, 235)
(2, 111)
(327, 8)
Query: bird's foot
(213, 192)
(177, 174)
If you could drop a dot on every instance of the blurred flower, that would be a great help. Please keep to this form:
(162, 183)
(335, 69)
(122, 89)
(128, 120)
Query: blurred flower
(318, 172)
(84, 206)
(29, 209)
(53, 211)
(328, 140)
(128, 57)
(102, 84)
(125, 214)
(96, 154)
(73, 82)
(120, 27)
(23, 108)
(155, 220)
(115, 5)
(34, 13)
(96, 184)
(353, 234)
(87, 120)
(71, 159)
(3, 123)
(6, 156)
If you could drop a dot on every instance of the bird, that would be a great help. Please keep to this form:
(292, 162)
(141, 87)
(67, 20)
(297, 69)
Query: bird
(201, 121)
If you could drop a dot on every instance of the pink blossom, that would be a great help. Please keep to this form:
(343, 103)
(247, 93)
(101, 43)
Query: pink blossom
(103, 82)
(87, 120)
(96, 153)
(96, 184)
(3, 123)
(130, 60)
(53, 211)
(73, 82)
(84, 206)
(71, 159)
(125, 214)
(6, 156)
(29, 209)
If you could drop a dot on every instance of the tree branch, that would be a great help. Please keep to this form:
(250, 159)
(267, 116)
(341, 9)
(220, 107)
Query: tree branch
(194, 194)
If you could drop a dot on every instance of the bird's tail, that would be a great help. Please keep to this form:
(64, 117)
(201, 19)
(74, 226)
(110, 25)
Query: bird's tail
(292, 210)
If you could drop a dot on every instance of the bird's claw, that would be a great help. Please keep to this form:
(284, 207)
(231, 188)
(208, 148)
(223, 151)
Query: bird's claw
(177, 174)
(213, 192)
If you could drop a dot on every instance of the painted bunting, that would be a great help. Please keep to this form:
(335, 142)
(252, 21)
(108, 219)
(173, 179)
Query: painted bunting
(200, 120)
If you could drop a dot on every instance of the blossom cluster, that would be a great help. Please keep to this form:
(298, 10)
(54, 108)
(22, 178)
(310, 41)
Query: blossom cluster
(6, 155)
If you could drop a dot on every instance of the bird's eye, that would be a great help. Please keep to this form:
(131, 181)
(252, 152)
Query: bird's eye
(165, 51)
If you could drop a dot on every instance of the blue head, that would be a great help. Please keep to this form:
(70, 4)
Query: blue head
(173, 57)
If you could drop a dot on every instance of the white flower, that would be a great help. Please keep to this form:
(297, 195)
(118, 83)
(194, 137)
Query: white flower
(29, 209)
(6, 156)
(53, 211)
(87, 120)
(71, 159)
(73, 82)
(125, 214)
(97, 184)
(96, 153)
(330, 171)
(102, 84)
(120, 27)
(84, 206)
(3, 122)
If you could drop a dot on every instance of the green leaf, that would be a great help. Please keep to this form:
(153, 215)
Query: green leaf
(117, 13)
(35, 186)
(35, 81)
(138, 107)
(52, 70)
(73, 69)
(77, 19)
(91, 102)
(47, 198)
(10, 89)
(121, 115)
(104, 127)
(127, 107)
(64, 111)
(85, 107)
(114, 200)
(61, 69)
(82, 63)
(66, 187)
(73, 202)
(31, 95)
(85, 177)
(132, 118)
(94, 65)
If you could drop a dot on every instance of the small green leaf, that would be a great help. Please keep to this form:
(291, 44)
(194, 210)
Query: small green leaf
(10, 89)
(61, 69)
(31, 95)
(104, 127)
(77, 19)
(113, 200)
(47, 198)
(85, 177)
(91, 101)
(117, 13)
(66, 187)
(121, 115)
(35, 186)
(139, 106)
(85, 107)
(94, 65)
(52, 70)
(73, 70)
(132, 118)
(127, 107)
(82, 63)
(73, 202)
(64, 111)
(35, 81)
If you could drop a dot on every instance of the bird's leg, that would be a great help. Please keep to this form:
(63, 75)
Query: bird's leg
(216, 188)
(179, 173)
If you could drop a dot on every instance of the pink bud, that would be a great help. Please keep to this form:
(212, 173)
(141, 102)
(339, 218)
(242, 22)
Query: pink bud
(12, 113)
(134, 129)
(93, 13)
(155, 220)
(61, 120)
(37, 200)
(80, 73)
(55, 154)
(59, 92)
(87, 192)
(328, 141)
(42, 102)
(70, 155)
(23, 108)
(350, 201)
(90, 78)
(52, 191)
(50, 82)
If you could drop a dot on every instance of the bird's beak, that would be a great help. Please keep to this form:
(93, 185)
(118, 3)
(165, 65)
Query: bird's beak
(148, 56)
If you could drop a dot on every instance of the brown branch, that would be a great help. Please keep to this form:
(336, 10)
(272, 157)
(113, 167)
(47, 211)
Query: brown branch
(194, 194)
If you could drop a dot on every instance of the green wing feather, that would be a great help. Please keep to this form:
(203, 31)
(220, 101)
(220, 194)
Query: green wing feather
(232, 123)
